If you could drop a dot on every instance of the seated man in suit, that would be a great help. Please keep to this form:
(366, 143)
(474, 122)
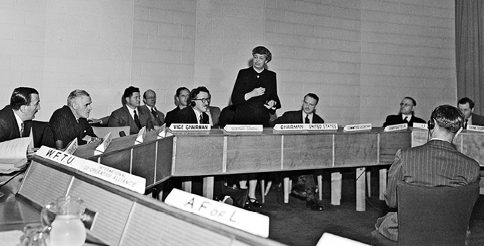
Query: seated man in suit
(130, 114)
(70, 121)
(196, 112)
(466, 106)
(181, 100)
(16, 118)
(406, 114)
(306, 115)
(304, 186)
(149, 98)
(436, 163)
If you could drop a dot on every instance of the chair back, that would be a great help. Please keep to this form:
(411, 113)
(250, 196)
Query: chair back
(434, 215)
(101, 131)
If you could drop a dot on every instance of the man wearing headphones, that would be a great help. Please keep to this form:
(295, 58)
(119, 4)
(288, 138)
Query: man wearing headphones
(198, 102)
(436, 163)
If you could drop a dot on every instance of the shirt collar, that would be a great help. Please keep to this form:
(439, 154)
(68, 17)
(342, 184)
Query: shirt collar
(19, 120)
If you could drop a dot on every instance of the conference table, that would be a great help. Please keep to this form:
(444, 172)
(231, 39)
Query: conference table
(218, 152)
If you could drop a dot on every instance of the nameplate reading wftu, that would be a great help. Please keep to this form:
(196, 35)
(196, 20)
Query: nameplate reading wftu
(190, 127)
(397, 127)
(97, 170)
(243, 128)
(306, 127)
(357, 127)
(242, 219)
(475, 128)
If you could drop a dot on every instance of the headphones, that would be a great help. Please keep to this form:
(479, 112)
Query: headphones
(431, 124)
(195, 93)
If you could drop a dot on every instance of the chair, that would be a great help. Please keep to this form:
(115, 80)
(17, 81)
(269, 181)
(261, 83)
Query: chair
(433, 215)
(101, 131)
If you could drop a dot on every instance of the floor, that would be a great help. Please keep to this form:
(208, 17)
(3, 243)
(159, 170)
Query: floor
(294, 224)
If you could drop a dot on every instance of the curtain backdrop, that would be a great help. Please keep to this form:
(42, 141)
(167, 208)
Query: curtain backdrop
(469, 39)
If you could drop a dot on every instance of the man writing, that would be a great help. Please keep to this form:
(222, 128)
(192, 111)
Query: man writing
(70, 121)
(130, 114)
(436, 163)
(405, 115)
(466, 106)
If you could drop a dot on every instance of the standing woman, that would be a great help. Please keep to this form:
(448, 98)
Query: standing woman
(255, 98)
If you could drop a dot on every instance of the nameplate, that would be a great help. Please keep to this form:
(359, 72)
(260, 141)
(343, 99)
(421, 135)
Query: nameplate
(357, 127)
(72, 147)
(226, 214)
(94, 169)
(190, 127)
(306, 127)
(475, 128)
(421, 125)
(104, 144)
(397, 127)
(243, 128)
(140, 138)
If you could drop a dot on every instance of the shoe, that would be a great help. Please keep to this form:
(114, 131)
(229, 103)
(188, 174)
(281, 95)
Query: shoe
(253, 202)
(314, 205)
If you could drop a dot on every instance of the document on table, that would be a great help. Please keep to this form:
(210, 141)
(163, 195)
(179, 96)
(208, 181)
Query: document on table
(14, 154)
(11, 238)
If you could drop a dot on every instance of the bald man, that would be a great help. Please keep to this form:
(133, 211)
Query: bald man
(149, 99)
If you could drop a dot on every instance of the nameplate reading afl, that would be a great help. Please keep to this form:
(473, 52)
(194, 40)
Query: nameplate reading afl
(104, 144)
(306, 127)
(420, 125)
(475, 128)
(243, 128)
(94, 169)
(190, 127)
(357, 127)
(397, 127)
(242, 219)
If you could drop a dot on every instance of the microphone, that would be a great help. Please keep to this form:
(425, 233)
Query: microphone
(122, 134)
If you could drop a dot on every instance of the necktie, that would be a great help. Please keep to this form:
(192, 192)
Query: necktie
(21, 129)
(153, 112)
(306, 121)
(465, 124)
(203, 118)
(406, 119)
(136, 120)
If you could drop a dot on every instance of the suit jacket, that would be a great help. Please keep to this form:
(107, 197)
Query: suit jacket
(8, 125)
(296, 117)
(157, 121)
(170, 116)
(397, 119)
(436, 163)
(477, 120)
(187, 115)
(122, 117)
(65, 127)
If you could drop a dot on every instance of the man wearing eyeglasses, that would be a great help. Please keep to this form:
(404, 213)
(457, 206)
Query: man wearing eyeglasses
(197, 111)
(406, 114)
